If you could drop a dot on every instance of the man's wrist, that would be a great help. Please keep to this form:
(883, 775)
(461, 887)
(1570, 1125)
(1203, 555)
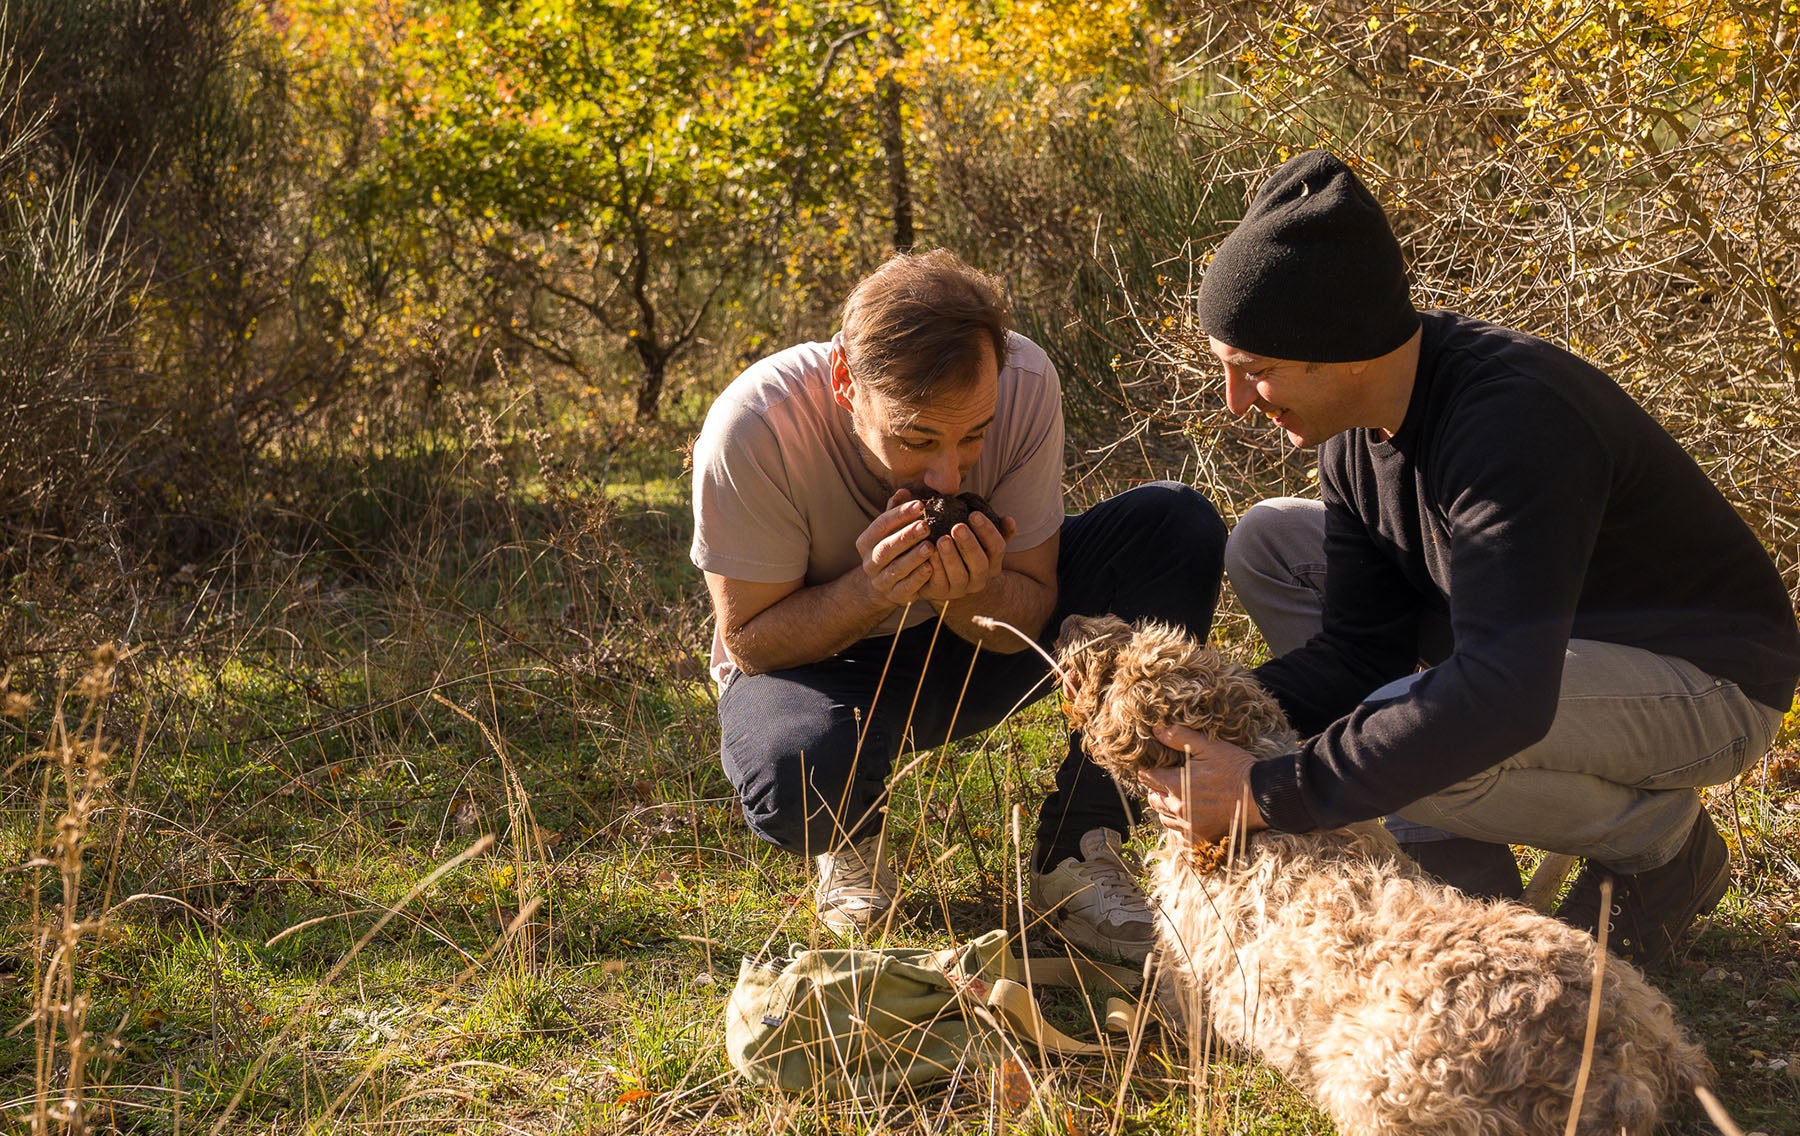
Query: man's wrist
(1005, 601)
(1275, 786)
(874, 605)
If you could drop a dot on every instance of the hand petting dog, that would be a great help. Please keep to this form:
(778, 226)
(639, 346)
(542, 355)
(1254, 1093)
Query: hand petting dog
(1203, 797)
(1208, 797)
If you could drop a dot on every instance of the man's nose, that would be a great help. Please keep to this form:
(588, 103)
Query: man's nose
(944, 474)
(1240, 392)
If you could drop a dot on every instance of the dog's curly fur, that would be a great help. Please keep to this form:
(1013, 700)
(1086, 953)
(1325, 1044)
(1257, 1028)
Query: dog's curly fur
(1400, 1004)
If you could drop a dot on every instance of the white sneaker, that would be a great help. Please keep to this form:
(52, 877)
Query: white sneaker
(854, 890)
(1095, 903)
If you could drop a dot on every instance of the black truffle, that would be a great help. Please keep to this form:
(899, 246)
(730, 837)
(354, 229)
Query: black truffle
(943, 513)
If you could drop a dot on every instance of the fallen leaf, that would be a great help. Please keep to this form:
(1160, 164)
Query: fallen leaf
(466, 816)
(634, 1096)
(1015, 1085)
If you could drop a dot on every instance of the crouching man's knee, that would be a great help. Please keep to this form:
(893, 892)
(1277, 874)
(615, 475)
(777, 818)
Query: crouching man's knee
(805, 783)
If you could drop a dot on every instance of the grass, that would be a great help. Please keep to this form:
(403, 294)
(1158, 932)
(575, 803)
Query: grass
(424, 828)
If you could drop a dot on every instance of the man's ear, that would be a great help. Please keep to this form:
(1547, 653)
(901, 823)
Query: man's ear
(841, 382)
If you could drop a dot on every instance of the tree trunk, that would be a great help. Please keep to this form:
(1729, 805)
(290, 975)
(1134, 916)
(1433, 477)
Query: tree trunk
(893, 145)
(655, 364)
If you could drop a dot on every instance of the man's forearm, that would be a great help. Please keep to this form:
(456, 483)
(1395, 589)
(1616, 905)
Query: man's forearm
(809, 625)
(1010, 597)
(814, 623)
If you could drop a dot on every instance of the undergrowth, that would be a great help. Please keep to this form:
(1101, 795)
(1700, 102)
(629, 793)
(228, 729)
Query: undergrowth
(418, 822)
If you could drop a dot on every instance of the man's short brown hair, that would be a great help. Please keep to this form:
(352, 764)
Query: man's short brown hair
(914, 327)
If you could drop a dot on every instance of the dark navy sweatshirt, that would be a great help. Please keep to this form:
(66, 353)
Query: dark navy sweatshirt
(1531, 501)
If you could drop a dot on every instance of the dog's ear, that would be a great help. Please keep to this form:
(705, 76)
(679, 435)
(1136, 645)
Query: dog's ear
(1140, 664)
(1162, 652)
(1089, 665)
(1092, 674)
(1244, 710)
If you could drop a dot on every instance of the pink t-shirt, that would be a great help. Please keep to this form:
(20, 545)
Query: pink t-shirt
(781, 492)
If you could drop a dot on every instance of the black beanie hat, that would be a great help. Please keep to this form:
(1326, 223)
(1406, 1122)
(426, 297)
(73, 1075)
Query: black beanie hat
(1312, 273)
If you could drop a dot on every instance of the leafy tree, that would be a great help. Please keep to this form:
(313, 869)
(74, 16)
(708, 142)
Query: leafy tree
(616, 166)
(613, 163)
(1091, 57)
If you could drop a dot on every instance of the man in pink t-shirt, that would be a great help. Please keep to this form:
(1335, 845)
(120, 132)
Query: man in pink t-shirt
(845, 635)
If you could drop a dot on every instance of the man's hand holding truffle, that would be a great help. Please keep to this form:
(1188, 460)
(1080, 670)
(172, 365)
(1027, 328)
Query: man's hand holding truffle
(967, 541)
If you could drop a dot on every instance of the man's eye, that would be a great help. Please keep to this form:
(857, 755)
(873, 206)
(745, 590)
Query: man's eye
(908, 444)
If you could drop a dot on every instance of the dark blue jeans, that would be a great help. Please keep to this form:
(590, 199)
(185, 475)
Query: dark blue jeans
(809, 749)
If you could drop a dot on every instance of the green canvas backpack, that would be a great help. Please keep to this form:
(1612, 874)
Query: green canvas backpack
(868, 1023)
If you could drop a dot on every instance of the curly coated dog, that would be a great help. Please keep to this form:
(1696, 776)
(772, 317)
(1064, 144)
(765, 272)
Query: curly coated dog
(1400, 1004)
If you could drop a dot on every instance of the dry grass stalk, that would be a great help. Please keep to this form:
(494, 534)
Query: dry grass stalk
(70, 1061)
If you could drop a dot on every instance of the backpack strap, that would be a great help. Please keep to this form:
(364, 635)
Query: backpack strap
(1015, 1008)
(993, 979)
(1014, 1005)
(1063, 971)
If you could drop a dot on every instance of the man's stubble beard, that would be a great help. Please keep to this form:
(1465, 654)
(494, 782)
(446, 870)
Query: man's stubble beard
(870, 466)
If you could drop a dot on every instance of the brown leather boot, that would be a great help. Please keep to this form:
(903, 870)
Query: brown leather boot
(1651, 909)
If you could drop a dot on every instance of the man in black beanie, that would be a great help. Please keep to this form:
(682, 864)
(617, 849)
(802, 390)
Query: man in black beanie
(1520, 613)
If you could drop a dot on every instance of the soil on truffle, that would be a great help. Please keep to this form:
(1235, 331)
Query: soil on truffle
(943, 513)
